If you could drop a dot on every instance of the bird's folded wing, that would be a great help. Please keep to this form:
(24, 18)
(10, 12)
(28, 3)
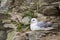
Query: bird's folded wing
(44, 24)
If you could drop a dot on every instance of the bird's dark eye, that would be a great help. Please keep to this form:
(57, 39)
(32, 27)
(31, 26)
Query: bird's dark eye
(33, 20)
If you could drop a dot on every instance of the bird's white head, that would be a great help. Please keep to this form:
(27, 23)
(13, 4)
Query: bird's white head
(33, 20)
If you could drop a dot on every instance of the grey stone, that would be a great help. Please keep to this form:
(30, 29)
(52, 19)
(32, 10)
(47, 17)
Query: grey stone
(3, 35)
(33, 35)
(17, 17)
(3, 7)
(6, 21)
(10, 25)
(26, 20)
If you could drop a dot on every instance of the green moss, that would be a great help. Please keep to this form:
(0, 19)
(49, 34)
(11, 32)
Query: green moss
(30, 14)
(8, 15)
(20, 26)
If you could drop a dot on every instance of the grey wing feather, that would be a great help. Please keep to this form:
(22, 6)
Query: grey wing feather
(42, 24)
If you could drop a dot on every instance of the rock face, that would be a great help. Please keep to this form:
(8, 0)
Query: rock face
(23, 10)
(50, 10)
(3, 35)
(4, 6)
(45, 10)
(39, 35)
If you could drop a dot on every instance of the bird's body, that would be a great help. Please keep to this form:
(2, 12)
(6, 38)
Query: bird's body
(42, 25)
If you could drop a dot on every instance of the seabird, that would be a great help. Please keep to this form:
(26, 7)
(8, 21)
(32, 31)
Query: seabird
(42, 25)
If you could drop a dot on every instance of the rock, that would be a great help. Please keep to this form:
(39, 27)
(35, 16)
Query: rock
(17, 17)
(41, 17)
(25, 20)
(49, 1)
(1, 25)
(38, 35)
(10, 25)
(17, 36)
(3, 3)
(50, 7)
(52, 37)
(10, 35)
(3, 32)
(6, 21)
(4, 16)
(3, 35)
(33, 6)
(4, 6)
(49, 10)
(28, 1)
(23, 7)
(46, 9)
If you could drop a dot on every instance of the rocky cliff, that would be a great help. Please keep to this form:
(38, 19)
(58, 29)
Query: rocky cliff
(17, 14)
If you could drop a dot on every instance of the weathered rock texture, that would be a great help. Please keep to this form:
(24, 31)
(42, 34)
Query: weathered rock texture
(40, 35)
(21, 11)
(44, 10)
